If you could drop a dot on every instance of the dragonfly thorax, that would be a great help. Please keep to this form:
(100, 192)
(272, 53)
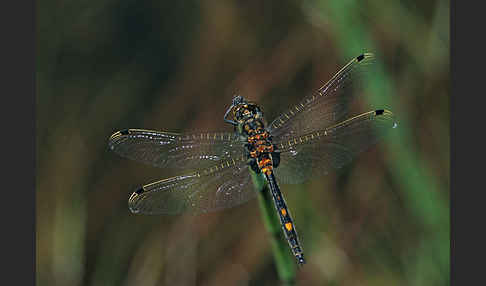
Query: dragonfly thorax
(251, 124)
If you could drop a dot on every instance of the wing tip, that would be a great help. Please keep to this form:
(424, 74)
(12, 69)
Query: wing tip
(134, 199)
(364, 56)
(384, 112)
(388, 114)
(138, 191)
(118, 134)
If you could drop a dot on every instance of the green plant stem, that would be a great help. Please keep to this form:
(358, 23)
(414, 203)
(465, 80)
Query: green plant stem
(284, 261)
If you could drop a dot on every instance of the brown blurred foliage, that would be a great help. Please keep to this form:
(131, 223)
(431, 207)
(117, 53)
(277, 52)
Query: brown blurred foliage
(108, 65)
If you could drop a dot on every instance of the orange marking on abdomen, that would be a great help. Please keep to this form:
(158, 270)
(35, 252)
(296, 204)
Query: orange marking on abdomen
(267, 170)
(288, 226)
(284, 212)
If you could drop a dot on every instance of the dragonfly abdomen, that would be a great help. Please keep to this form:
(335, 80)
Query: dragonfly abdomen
(285, 219)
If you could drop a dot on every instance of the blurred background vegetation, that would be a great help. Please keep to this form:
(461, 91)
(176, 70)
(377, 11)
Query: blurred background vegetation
(174, 65)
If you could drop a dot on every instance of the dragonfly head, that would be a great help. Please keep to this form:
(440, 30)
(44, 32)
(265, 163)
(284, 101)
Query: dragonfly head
(243, 110)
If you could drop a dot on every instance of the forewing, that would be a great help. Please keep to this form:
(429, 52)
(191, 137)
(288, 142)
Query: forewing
(165, 149)
(328, 106)
(332, 148)
(218, 187)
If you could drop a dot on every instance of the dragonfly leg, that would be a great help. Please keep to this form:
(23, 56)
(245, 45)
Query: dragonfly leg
(232, 122)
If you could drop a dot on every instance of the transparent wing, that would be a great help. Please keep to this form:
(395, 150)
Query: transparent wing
(328, 106)
(331, 148)
(164, 149)
(221, 186)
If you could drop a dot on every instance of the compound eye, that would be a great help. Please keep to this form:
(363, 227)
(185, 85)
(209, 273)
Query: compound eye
(237, 100)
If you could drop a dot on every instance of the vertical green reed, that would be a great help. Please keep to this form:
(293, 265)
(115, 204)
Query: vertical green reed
(420, 188)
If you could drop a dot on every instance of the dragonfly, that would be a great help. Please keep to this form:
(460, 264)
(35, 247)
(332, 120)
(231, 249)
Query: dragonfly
(315, 136)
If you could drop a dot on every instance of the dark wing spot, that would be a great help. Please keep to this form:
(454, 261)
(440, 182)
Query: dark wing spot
(139, 191)
(379, 112)
(124, 132)
(360, 58)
